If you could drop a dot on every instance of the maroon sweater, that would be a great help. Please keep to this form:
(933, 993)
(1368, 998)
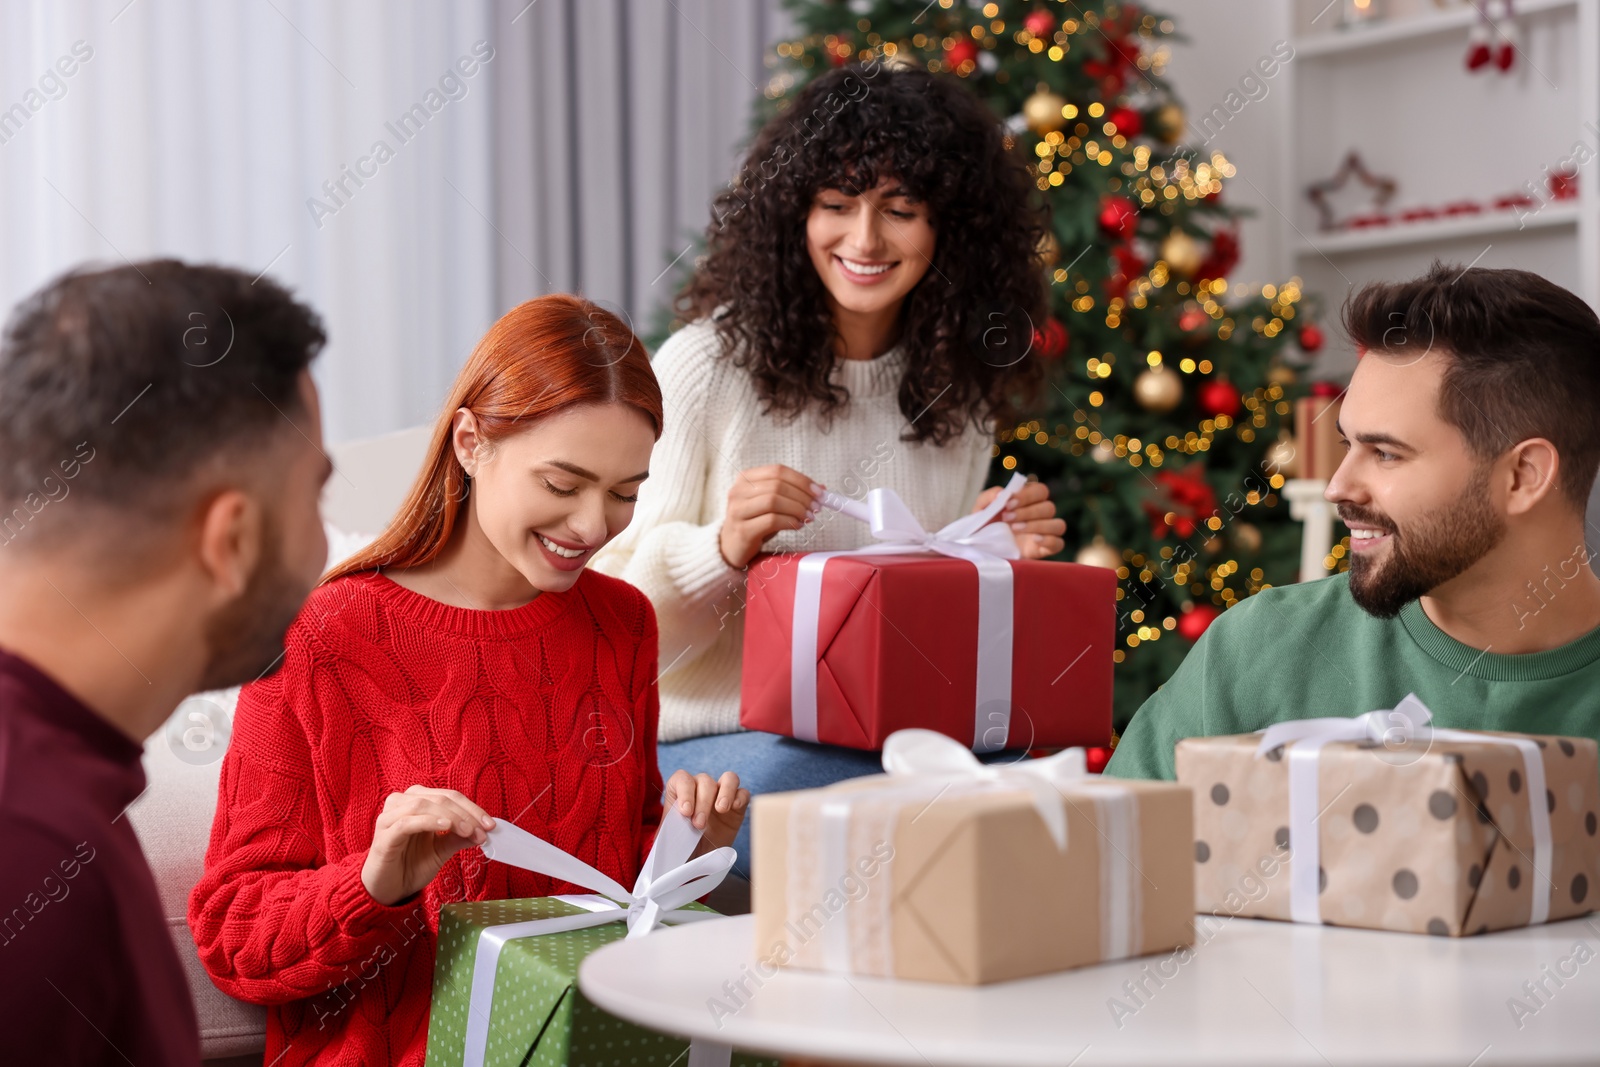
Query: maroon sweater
(88, 972)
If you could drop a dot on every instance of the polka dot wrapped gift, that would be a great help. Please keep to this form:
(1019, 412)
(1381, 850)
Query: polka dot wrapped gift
(1382, 822)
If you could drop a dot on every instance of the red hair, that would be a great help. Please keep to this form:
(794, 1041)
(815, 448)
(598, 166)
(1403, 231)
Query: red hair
(545, 355)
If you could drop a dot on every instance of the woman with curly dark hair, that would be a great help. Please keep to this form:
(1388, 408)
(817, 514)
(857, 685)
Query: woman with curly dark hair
(862, 317)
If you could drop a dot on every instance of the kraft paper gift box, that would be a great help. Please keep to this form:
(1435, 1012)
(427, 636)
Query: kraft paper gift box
(995, 652)
(1318, 452)
(959, 878)
(1452, 832)
(505, 987)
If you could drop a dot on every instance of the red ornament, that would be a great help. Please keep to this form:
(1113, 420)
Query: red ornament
(1192, 319)
(1111, 71)
(1186, 496)
(1119, 217)
(1128, 267)
(1127, 121)
(1124, 23)
(1311, 337)
(1326, 389)
(1505, 55)
(1223, 257)
(1040, 23)
(1193, 623)
(1095, 759)
(1189, 489)
(1120, 52)
(1478, 53)
(1051, 342)
(1218, 397)
(965, 50)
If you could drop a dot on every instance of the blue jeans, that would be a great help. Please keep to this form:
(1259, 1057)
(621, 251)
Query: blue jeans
(768, 763)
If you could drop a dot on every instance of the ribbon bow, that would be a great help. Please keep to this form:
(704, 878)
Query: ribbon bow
(1407, 722)
(668, 880)
(893, 524)
(976, 538)
(929, 754)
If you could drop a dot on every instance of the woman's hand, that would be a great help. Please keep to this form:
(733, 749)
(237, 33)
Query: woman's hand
(716, 806)
(417, 831)
(1032, 515)
(763, 501)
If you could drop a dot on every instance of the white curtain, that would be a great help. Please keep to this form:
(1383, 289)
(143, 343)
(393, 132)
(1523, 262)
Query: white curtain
(626, 116)
(580, 156)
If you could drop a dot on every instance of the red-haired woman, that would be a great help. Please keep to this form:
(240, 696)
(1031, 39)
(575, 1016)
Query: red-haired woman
(465, 667)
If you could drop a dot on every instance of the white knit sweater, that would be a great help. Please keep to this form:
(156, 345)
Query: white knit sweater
(715, 429)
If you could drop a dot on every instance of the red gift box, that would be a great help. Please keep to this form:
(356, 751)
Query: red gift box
(897, 647)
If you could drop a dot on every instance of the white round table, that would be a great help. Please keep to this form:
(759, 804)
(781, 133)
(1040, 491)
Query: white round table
(1253, 992)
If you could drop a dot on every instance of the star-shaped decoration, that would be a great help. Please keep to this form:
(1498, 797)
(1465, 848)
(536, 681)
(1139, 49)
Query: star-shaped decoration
(1318, 192)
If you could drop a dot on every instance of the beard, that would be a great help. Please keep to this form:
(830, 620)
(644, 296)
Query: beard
(245, 639)
(1431, 549)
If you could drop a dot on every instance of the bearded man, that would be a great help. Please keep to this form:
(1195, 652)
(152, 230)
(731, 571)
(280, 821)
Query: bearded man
(160, 471)
(1472, 425)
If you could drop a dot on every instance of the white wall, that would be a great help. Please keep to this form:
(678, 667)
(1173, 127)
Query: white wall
(1225, 41)
(201, 130)
(581, 157)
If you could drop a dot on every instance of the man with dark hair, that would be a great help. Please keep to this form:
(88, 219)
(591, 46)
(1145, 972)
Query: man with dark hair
(1473, 428)
(160, 469)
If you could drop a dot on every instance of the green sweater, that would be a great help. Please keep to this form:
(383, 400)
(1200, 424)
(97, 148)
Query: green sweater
(1302, 651)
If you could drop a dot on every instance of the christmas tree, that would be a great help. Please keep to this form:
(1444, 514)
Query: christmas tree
(1164, 427)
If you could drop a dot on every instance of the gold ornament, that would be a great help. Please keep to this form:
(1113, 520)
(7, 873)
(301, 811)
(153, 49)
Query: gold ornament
(1247, 536)
(1042, 111)
(901, 60)
(1280, 457)
(1048, 249)
(1168, 123)
(1182, 253)
(1099, 554)
(1158, 390)
(1281, 374)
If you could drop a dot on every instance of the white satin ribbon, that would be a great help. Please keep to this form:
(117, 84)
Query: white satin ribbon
(1406, 723)
(1121, 881)
(668, 881)
(975, 538)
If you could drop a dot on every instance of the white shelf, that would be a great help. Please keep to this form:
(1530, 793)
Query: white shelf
(1381, 32)
(1401, 234)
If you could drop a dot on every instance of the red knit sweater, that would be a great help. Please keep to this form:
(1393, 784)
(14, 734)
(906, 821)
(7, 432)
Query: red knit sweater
(543, 714)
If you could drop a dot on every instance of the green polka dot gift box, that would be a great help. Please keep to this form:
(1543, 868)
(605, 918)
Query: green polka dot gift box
(1452, 834)
(537, 1018)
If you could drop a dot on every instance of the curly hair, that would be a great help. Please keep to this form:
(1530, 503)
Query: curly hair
(967, 325)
